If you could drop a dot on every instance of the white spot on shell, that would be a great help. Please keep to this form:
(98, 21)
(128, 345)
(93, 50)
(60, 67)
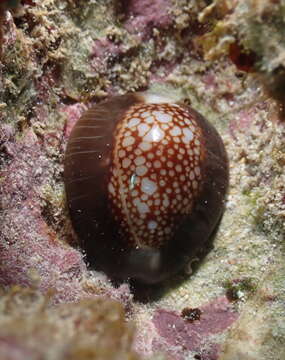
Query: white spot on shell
(152, 225)
(165, 202)
(134, 193)
(149, 120)
(129, 140)
(148, 186)
(175, 184)
(133, 122)
(176, 131)
(162, 116)
(145, 146)
(167, 230)
(126, 163)
(143, 129)
(197, 171)
(145, 114)
(155, 134)
(139, 160)
(142, 207)
(178, 168)
(122, 153)
(141, 170)
(195, 184)
(111, 189)
(188, 135)
(157, 164)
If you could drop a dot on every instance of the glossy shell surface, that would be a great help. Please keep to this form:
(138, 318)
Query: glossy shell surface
(145, 182)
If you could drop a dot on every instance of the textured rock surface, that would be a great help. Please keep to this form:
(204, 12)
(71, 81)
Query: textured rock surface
(60, 56)
(89, 329)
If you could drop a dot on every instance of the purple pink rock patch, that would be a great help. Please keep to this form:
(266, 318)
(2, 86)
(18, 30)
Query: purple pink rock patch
(195, 336)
